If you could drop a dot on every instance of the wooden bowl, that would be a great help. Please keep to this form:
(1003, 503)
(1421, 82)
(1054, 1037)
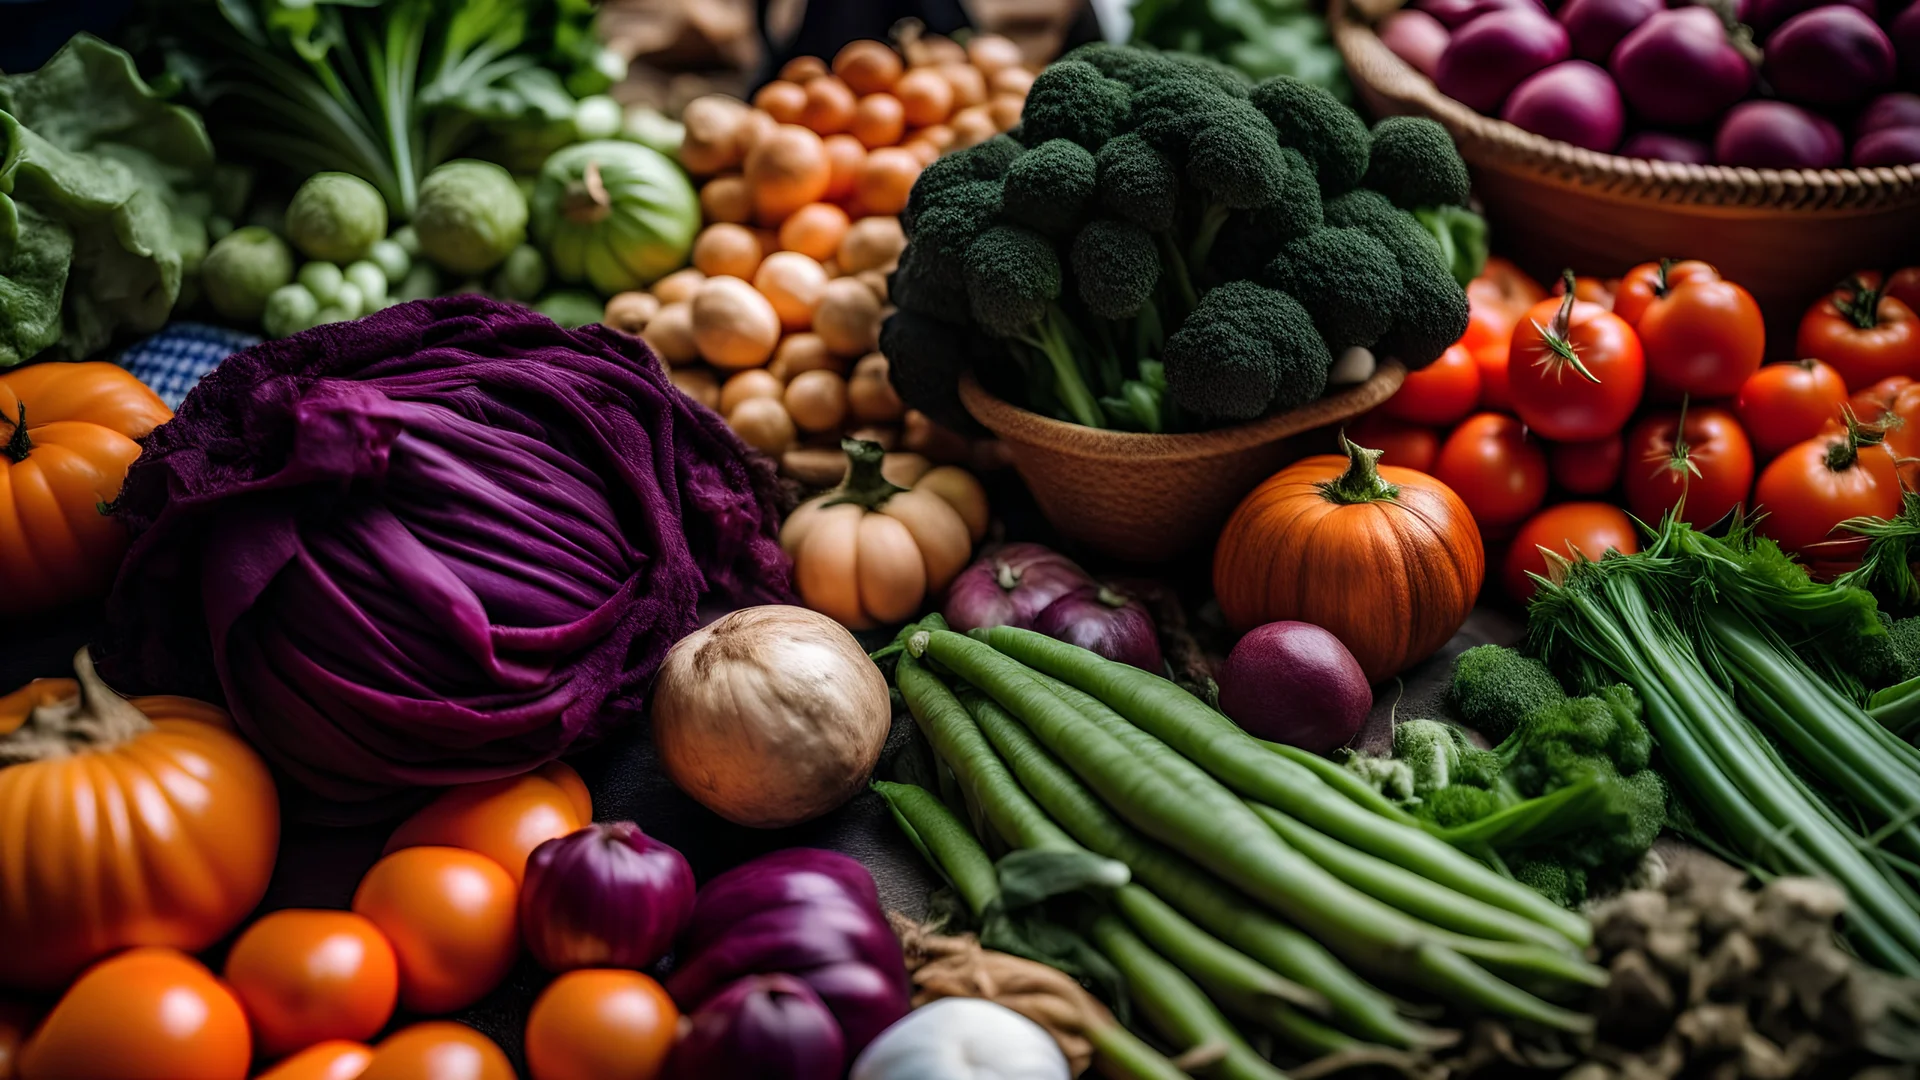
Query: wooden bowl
(1146, 498)
(1787, 235)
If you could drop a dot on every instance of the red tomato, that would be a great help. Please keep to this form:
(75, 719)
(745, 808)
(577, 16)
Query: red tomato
(1703, 337)
(1586, 468)
(1591, 289)
(1904, 286)
(1899, 422)
(1575, 369)
(334, 1060)
(146, 1014)
(1783, 404)
(450, 915)
(1409, 446)
(1874, 404)
(1505, 287)
(1495, 468)
(1817, 484)
(1489, 335)
(438, 1050)
(1864, 333)
(1641, 285)
(309, 976)
(1495, 392)
(1569, 530)
(1441, 393)
(592, 1024)
(1708, 462)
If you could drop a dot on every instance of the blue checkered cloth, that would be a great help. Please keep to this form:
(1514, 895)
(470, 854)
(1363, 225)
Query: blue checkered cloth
(172, 361)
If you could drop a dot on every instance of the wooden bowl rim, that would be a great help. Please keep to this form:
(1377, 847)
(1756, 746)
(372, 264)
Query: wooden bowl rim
(1018, 425)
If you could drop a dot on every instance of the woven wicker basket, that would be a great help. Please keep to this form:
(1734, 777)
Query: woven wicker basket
(1784, 234)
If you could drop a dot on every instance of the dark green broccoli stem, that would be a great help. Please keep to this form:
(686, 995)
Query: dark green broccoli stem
(864, 486)
(1049, 337)
(1361, 483)
(1176, 267)
(20, 444)
(1214, 216)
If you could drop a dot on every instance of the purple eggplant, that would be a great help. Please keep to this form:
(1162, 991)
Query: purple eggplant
(1010, 586)
(762, 1027)
(1777, 135)
(1573, 101)
(1679, 68)
(606, 896)
(1595, 26)
(1666, 146)
(1491, 55)
(1830, 56)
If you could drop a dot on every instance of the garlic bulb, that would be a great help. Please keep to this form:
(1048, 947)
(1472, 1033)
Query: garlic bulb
(962, 1039)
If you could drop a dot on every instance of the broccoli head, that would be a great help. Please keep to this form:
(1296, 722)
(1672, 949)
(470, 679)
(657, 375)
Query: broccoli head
(1314, 122)
(988, 160)
(930, 284)
(1072, 100)
(1551, 878)
(1137, 182)
(1170, 111)
(1412, 161)
(1434, 310)
(1048, 187)
(925, 357)
(1223, 76)
(1115, 266)
(1461, 804)
(1243, 349)
(1013, 277)
(1495, 688)
(948, 224)
(1347, 280)
(1128, 65)
(1236, 158)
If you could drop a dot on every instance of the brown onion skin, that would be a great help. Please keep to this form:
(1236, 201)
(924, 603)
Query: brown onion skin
(606, 896)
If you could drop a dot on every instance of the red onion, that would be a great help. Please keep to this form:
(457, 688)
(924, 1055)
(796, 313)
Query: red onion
(1679, 68)
(1295, 683)
(1776, 135)
(1904, 29)
(1573, 101)
(1896, 110)
(1416, 37)
(1888, 146)
(1596, 26)
(1010, 586)
(1666, 146)
(1101, 620)
(1489, 56)
(1765, 15)
(1454, 14)
(605, 896)
(1829, 56)
(762, 1027)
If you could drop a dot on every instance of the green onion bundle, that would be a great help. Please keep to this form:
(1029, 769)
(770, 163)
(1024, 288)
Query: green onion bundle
(1257, 889)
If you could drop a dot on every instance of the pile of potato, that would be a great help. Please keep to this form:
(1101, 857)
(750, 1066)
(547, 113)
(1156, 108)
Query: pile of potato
(776, 323)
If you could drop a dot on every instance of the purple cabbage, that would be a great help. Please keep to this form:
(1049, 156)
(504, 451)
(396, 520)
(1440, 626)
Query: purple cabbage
(804, 912)
(1834, 55)
(762, 1027)
(1679, 68)
(606, 896)
(437, 545)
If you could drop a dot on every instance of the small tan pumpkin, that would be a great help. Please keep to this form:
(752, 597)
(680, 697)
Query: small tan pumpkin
(869, 552)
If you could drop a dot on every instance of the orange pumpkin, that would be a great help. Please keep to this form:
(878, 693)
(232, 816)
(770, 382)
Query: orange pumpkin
(502, 819)
(1386, 558)
(147, 1014)
(68, 432)
(143, 822)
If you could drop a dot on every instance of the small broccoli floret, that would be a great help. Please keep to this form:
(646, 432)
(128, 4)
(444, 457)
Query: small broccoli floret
(1013, 276)
(949, 225)
(1250, 239)
(1115, 267)
(1131, 66)
(1171, 110)
(1223, 76)
(1432, 750)
(1347, 280)
(1137, 182)
(1412, 161)
(1072, 100)
(930, 284)
(1494, 689)
(925, 357)
(1434, 313)
(1048, 187)
(1904, 635)
(1461, 804)
(1552, 879)
(1245, 348)
(985, 161)
(1314, 122)
(1236, 159)
(1389, 776)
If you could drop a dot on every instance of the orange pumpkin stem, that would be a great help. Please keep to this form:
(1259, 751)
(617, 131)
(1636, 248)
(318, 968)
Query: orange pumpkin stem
(93, 719)
(1361, 483)
(864, 486)
(20, 445)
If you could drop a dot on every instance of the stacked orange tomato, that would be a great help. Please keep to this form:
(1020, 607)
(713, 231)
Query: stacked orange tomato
(1555, 417)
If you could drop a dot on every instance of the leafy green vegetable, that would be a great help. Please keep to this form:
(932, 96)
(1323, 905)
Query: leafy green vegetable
(1260, 37)
(105, 190)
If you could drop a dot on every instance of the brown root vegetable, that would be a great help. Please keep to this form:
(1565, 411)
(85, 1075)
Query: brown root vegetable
(943, 967)
(829, 106)
(758, 126)
(1005, 110)
(734, 326)
(787, 169)
(803, 352)
(724, 249)
(698, 384)
(887, 179)
(1013, 80)
(868, 67)
(939, 135)
(680, 286)
(930, 50)
(793, 283)
(763, 424)
(905, 468)
(814, 466)
(973, 125)
(670, 332)
(871, 243)
(921, 435)
(815, 230)
(817, 400)
(803, 69)
(712, 140)
(875, 280)
(870, 393)
(770, 716)
(926, 97)
(969, 84)
(751, 383)
(629, 312)
(847, 317)
(727, 198)
(924, 152)
(992, 53)
(845, 158)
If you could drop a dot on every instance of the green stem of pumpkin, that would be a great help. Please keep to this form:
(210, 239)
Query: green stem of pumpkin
(95, 718)
(1361, 483)
(20, 445)
(586, 201)
(864, 486)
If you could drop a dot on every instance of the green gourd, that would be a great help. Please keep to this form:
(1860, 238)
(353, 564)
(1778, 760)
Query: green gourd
(614, 214)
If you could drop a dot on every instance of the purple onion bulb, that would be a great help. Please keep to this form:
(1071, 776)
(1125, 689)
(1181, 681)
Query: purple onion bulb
(1679, 68)
(606, 896)
(1596, 26)
(1416, 37)
(1574, 102)
(1776, 135)
(1010, 586)
(1454, 14)
(762, 1027)
(1101, 620)
(1833, 55)
(1888, 146)
(1490, 56)
(1895, 110)
(1666, 146)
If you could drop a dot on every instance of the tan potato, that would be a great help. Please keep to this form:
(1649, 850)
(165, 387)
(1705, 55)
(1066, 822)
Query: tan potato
(793, 283)
(972, 126)
(1013, 80)
(875, 280)
(697, 383)
(670, 332)
(734, 326)
(817, 400)
(629, 312)
(679, 286)
(992, 53)
(1005, 109)
(751, 383)
(763, 424)
(724, 249)
(848, 317)
(712, 140)
(870, 392)
(871, 243)
(727, 198)
(969, 84)
(801, 352)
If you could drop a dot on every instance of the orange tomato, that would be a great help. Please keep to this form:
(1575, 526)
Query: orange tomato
(782, 100)
(869, 67)
(438, 1050)
(336, 1059)
(925, 95)
(1440, 394)
(879, 120)
(593, 1024)
(845, 156)
(803, 69)
(16, 1023)
(309, 976)
(829, 106)
(1571, 531)
(502, 819)
(146, 1014)
(450, 916)
(886, 179)
(815, 230)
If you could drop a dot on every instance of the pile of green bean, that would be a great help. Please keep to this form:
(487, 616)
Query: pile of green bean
(1261, 886)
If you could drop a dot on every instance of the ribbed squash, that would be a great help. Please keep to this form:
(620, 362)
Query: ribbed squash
(614, 214)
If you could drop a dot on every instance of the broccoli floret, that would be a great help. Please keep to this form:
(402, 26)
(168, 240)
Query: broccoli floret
(1461, 804)
(1434, 751)
(1412, 161)
(1115, 267)
(948, 225)
(1245, 348)
(1434, 310)
(1389, 776)
(984, 161)
(925, 357)
(1347, 280)
(1124, 63)
(1562, 884)
(930, 284)
(1072, 100)
(1137, 182)
(1251, 238)
(1494, 689)
(1314, 122)
(1236, 159)
(1223, 76)
(1048, 187)
(1174, 108)
(1563, 742)
(1013, 276)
